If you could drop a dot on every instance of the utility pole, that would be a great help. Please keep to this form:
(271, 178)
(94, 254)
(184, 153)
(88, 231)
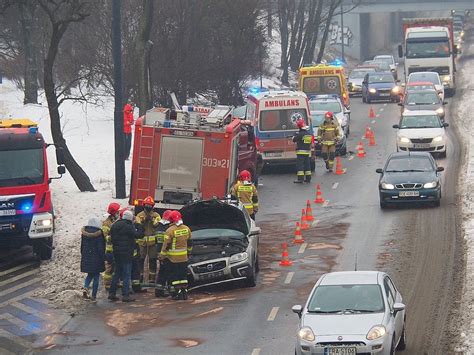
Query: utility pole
(118, 114)
(342, 34)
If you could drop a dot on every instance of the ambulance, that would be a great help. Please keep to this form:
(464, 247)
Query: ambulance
(323, 79)
(274, 115)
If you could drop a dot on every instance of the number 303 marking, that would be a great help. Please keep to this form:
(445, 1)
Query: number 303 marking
(216, 163)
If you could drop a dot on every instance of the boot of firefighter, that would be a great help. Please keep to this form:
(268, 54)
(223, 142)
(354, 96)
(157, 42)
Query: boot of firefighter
(160, 291)
(173, 292)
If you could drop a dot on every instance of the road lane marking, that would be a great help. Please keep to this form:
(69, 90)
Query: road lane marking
(326, 203)
(302, 248)
(385, 104)
(350, 157)
(273, 314)
(363, 137)
(381, 109)
(289, 276)
(19, 277)
(373, 121)
(377, 115)
(256, 351)
(335, 185)
(20, 286)
(316, 221)
(19, 267)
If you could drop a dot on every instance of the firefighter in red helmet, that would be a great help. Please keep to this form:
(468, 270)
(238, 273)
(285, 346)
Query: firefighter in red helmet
(328, 135)
(113, 214)
(246, 192)
(162, 279)
(303, 139)
(176, 246)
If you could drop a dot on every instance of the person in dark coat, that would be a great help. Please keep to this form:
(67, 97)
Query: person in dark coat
(92, 256)
(123, 234)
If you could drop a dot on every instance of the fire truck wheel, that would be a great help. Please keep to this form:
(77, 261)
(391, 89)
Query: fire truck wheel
(43, 248)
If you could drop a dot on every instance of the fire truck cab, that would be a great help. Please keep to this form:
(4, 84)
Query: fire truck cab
(190, 158)
(26, 209)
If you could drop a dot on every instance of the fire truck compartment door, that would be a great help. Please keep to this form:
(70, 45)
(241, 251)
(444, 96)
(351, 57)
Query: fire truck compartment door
(180, 163)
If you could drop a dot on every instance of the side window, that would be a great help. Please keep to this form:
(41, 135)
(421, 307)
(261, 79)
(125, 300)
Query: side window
(392, 287)
(389, 293)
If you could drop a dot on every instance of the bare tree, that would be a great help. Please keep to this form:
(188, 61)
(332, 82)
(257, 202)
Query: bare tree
(283, 25)
(61, 13)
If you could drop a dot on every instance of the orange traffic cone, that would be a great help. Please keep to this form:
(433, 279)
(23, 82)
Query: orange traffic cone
(298, 236)
(304, 225)
(360, 150)
(368, 132)
(309, 212)
(319, 196)
(372, 139)
(339, 169)
(285, 259)
(371, 112)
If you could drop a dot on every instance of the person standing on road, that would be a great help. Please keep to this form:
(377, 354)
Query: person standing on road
(128, 122)
(303, 140)
(162, 281)
(328, 135)
(246, 192)
(92, 256)
(149, 220)
(113, 211)
(123, 234)
(176, 246)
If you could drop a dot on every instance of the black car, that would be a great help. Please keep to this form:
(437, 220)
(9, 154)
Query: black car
(410, 177)
(380, 86)
(224, 242)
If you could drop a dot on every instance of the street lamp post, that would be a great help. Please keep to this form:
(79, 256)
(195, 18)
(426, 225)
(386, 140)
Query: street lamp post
(342, 34)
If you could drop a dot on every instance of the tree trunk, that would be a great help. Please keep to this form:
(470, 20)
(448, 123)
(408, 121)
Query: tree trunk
(80, 177)
(334, 4)
(309, 52)
(27, 19)
(269, 19)
(296, 37)
(143, 48)
(283, 21)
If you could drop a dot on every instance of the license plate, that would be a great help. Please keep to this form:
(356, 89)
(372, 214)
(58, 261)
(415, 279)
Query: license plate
(421, 145)
(211, 275)
(409, 193)
(274, 154)
(340, 351)
(7, 212)
(384, 94)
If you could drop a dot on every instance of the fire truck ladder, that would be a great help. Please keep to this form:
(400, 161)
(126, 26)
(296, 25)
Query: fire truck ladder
(145, 160)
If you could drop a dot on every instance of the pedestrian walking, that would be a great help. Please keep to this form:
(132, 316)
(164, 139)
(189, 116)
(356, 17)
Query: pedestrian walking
(92, 256)
(128, 122)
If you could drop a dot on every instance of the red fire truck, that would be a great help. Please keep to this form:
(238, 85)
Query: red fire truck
(26, 210)
(193, 157)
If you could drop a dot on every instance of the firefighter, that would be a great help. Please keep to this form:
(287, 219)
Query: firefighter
(127, 129)
(149, 220)
(176, 246)
(162, 284)
(328, 135)
(303, 140)
(113, 210)
(246, 192)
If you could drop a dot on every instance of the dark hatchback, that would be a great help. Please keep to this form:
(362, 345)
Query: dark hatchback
(408, 178)
(380, 86)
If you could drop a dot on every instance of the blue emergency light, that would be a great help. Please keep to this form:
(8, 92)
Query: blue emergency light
(257, 90)
(33, 130)
(337, 62)
(26, 207)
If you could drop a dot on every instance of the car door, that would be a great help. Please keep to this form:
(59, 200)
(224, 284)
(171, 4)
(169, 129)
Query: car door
(393, 297)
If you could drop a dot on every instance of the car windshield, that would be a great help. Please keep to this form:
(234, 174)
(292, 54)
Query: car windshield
(21, 167)
(317, 119)
(384, 59)
(281, 120)
(359, 73)
(429, 49)
(380, 78)
(409, 163)
(215, 233)
(426, 77)
(382, 66)
(425, 121)
(332, 106)
(422, 98)
(340, 298)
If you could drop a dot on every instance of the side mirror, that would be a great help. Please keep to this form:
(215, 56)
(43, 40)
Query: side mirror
(396, 64)
(379, 171)
(400, 104)
(445, 124)
(298, 309)
(397, 307)
(61, 170)
(400, 51)
(59, 155)
(440, 168)
(395, 126)
(255, 231)
(445, 102)
(348, 112)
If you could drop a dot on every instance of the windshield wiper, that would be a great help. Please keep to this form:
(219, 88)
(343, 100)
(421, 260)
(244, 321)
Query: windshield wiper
(394, 171)
(326, 312)
(414, 171)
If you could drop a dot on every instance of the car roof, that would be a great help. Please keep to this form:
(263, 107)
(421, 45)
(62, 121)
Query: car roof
(351, 278)
(384, 56)
(419, 113)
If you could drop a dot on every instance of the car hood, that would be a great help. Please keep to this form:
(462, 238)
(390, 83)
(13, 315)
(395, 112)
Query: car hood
(382, 85)
(409, 177)
(431, 107)
(214, 214)
(342, 324)
(420, 132)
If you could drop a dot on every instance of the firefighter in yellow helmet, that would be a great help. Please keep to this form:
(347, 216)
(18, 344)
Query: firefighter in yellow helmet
(176, 246)
(328, 135)
(149, 220)
(246, 192)
(113, 210)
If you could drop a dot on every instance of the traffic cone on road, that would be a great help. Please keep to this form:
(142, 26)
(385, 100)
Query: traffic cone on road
(298, 236)
(304, 225)
(371, 112)
(309, 212)
(339, 169)
(285, 259)
(372, 139)
(368, 132)
(319, 195)
(360, 150)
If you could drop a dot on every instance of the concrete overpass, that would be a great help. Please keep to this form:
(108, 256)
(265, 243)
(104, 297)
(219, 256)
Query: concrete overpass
(373, 6)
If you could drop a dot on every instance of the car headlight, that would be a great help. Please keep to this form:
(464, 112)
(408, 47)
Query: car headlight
(440, 111)
(237, 258)
(396, 89)
(446, 78)
(306, 333)
(403, 140)
(430, 185)
(372, 90)
(376, 332)
(438, 139)
(386, 186)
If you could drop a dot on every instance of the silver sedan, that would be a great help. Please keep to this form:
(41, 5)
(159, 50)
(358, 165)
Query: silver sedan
(353, 312)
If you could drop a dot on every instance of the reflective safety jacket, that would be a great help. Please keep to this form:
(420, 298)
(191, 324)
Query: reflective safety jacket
(303, 140)
(149, 222)
(177, 243)
(246, 193)
(106, 224)
(160, 232)
(328, 132)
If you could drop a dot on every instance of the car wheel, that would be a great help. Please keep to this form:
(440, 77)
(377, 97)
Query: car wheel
(402, 344)
(383, 205)
(443, 154)
(251, 280)
(43, 248)
(437, 203)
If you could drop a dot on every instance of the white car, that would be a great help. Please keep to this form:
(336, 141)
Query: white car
(432, 77)
(320, 104)
(421, 131)
(385, 58)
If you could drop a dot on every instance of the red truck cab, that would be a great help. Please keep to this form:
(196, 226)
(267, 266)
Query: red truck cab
(26, 209)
